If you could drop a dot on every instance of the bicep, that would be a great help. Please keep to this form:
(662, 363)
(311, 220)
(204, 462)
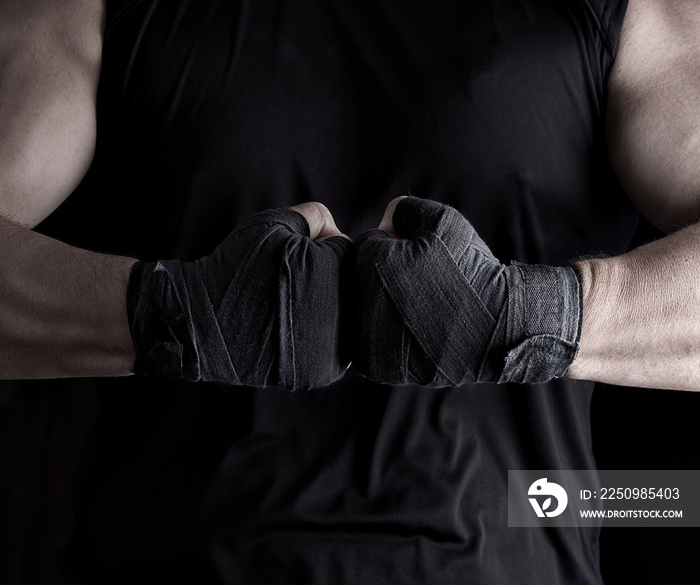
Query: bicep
(653, 113)
(50, 53)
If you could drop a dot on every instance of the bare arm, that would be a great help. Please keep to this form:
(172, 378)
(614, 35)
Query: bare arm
(62, 310)
(641, 322)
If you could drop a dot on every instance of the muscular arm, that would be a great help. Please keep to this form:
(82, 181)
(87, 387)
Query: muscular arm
(50, 54)
(641, 323)
(62, 310)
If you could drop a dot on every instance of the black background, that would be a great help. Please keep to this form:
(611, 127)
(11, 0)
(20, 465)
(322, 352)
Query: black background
(44, 424)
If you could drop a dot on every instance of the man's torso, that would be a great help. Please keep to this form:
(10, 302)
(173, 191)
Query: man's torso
(210, 111)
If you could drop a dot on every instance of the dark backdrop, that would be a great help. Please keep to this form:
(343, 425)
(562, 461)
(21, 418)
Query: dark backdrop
(43, 426)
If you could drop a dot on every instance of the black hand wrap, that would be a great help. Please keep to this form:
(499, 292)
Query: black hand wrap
(262, 310)
(436, 308)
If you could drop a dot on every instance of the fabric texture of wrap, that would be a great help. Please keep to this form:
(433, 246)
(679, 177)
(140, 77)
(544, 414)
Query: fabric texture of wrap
(262, 310)
(435, 307)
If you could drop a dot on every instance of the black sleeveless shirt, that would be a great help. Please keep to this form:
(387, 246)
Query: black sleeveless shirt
(211, 110)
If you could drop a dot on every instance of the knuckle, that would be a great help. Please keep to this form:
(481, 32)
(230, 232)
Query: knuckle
(323, 214)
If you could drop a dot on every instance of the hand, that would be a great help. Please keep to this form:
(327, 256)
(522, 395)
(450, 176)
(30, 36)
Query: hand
(263, 309)
(436, 308)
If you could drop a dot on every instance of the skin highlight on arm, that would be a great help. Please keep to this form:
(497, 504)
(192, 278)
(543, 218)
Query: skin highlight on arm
(641, 318)
(62, 310)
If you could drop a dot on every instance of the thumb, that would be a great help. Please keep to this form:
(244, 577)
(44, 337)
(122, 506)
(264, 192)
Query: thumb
(414, 217)
(387, 223)
(320, 220)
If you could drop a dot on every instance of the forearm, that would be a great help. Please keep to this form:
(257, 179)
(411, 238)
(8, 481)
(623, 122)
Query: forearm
(62, 309)
(641, 316)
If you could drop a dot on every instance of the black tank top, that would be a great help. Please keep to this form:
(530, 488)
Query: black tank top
(211, 110)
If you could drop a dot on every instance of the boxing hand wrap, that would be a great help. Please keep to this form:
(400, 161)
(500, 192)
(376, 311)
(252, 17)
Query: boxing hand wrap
(436, 308)
(262, 310)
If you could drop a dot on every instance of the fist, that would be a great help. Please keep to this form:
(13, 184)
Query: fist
(263, 309)
(436, 308)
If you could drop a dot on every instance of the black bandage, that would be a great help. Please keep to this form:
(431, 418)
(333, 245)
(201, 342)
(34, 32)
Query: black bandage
(262, 310)
(436, 308)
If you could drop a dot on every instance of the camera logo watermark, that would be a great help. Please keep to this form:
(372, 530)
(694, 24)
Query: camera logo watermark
(542, 487)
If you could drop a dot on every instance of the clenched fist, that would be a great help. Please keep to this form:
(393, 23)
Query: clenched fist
(436, 308)
(263, 309)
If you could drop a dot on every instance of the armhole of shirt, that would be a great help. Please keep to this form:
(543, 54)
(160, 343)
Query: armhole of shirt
(608, 16)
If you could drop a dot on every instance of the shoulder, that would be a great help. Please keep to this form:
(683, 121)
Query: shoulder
(73, 25)
(655, 32)
(50, 59)
(653, 115)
